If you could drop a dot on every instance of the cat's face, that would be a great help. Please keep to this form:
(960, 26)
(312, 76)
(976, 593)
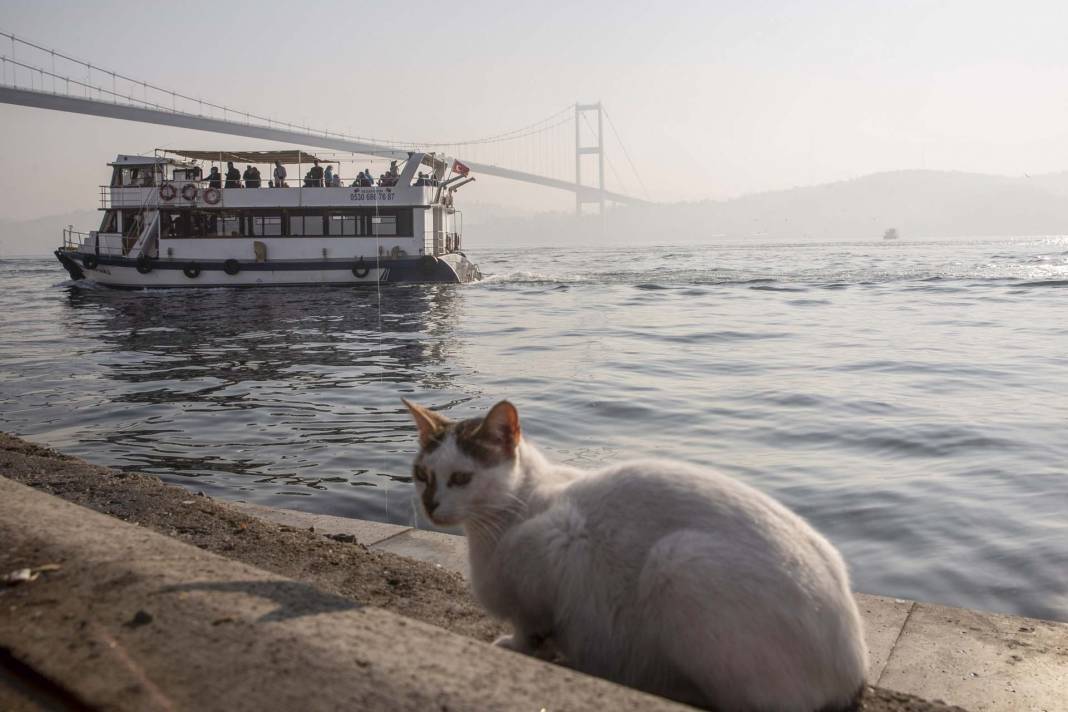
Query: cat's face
(463, 469)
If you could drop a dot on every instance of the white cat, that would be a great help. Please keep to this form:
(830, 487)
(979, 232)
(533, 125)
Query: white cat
(658, 575)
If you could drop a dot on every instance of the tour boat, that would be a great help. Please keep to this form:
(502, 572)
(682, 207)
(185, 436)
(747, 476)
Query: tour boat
(166, 224)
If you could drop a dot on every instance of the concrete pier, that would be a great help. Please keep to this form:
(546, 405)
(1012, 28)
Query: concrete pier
(197, 604)
(979, 661)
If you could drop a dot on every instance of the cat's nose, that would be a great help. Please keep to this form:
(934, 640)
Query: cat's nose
(430, 505)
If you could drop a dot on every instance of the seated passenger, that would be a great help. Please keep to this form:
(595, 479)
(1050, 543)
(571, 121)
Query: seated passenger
(336, 181)
(367, 181)
(233, 176)
(215, 178)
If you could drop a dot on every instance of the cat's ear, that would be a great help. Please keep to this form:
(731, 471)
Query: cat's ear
(501, 427)
(430, 423)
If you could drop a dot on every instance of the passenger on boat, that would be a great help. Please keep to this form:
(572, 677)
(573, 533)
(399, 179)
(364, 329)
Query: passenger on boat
(328, 177)
(214, 178)
(233, 176)
(251, 176)
(279, 175)
(336, 182)
(316, 175)
(422, 179)
(365, 179)
(198, 172)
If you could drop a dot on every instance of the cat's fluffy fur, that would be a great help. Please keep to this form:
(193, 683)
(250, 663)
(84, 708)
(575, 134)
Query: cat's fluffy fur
(659, 575)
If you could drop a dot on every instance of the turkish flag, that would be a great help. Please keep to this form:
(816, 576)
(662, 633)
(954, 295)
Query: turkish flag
(460, 168)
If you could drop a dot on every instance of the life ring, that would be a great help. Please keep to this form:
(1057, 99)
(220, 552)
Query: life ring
(167, 191)
(189, 192)
(231, 267)
(428, 264)
(360, 269)
(90, 261)
(144, 264)
(191, 270)
(212, 196)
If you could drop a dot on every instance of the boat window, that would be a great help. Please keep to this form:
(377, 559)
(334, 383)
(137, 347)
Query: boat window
(346, 225)
(174, 223)
(266, 225)
(384, 225)
(306, 225)
(110, 222)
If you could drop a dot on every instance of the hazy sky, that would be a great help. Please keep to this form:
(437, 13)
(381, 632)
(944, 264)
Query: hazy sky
(713, 99)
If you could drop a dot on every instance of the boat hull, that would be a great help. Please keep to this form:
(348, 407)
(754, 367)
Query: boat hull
(124, 273)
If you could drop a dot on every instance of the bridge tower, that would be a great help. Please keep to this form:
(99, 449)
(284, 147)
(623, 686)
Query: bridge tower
(580, 151)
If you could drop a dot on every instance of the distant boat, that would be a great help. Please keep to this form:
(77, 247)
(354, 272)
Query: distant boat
(891, 234)
(165, 226)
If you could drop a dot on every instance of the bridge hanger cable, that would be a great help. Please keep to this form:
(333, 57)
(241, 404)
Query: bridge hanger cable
(626, 153)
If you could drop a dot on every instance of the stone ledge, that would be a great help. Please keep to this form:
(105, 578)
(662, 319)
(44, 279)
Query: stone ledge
(134, 620)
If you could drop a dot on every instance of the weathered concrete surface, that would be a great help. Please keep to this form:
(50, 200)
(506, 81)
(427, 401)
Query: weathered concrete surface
(883, 619)
(133, 620)
(982, 661)
(378, 578)
(363, 531)
(444, 550)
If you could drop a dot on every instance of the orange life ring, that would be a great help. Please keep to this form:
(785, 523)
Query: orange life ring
(189, 192)
(212, 196)
(167, 192)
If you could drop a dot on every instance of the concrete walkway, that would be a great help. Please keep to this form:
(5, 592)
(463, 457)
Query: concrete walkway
(979, 661)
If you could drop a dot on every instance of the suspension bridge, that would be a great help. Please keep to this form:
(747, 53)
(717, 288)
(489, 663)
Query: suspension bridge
(566, 150)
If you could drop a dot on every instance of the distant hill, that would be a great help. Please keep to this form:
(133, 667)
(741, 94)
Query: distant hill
(919, 204)
(37, 237)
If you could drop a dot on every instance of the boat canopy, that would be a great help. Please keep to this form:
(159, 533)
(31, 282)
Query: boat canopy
(288, 156)
(126, 160)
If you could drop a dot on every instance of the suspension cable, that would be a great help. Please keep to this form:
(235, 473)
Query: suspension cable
(625, 152)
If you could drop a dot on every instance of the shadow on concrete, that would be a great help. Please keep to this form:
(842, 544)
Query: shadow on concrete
(294, 599)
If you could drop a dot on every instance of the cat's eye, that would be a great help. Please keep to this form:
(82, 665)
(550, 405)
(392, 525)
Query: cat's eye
(419, 473)
(459, 479)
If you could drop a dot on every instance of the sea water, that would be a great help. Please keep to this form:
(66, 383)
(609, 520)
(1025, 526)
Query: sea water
(910, 398)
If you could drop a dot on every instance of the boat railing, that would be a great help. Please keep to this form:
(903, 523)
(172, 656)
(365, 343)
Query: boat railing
(92, 241)
(148, 196)
(73, 239)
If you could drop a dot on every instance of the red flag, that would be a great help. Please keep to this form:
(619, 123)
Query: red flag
(460, 168)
